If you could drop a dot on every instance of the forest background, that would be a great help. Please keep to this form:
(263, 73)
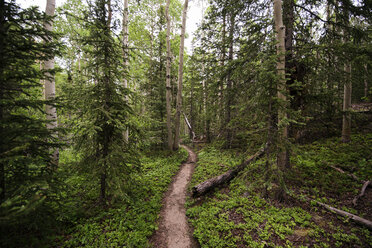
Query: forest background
(97, 96)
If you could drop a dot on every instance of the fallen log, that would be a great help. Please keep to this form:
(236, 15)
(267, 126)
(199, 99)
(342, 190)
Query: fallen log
(363, 190)
(355, 218)
(205, 186)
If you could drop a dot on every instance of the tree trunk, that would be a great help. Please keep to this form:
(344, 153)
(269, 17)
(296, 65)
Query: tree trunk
(49, 83)
(346, 117)
(2, 129)
(366, 82)
(102, 197)
(206, 186)
(168, 81)
(192, 135)
(288, 21)
(162, 113)
(190, 127)
(106, 129)
(180, 77)
(270, 137)
(205, 86)
(126, 55)
(282, 158)
(291, 67)
(229, 87)
(222, 82)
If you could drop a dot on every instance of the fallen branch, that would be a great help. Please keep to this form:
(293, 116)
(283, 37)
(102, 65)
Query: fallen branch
(354, 217)
(344, 172)
(189, 126)
(205, 186)
(363, 190)
(364, 187)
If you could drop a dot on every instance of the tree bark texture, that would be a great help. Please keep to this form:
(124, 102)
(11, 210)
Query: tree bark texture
(282, 158)
(206, 186)
(49, 83)
(2, 129)
(346, 117)
(107, 128)
(362, 191)
(205, 87)
(180, 77)
(189, 126)
(366, 81)
(222, 82)
(229, 83)
(126, 55)
(288, 21)
(168, 81)
(270, 135)
(355, 218)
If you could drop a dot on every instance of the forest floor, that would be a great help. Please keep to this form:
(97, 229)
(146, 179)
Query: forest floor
(237, 214)
(174, 230)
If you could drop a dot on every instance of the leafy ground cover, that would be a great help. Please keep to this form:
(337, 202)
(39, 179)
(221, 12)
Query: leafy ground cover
(129, 224)
(237, 215)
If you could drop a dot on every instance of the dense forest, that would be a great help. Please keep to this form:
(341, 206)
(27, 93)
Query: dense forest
(114, 134)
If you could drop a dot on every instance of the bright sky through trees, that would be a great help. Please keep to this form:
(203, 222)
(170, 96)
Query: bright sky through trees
(194, 15)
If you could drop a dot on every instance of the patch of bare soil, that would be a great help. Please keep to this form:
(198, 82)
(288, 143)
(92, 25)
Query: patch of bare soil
(174, 231)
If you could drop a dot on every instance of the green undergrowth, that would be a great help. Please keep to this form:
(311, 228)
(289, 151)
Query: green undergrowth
(236, 215)
(312, 166)
(129, 224)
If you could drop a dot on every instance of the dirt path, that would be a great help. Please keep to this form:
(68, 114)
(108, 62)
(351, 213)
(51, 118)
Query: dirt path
(174, 231)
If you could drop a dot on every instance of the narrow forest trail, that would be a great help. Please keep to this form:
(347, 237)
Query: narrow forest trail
(174, 231)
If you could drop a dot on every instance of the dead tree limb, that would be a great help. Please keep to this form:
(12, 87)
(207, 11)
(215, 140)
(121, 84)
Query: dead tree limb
(362, 191)
(355, 218)
(189, 126)
(205, 186)
(364, 187)
(347, 173)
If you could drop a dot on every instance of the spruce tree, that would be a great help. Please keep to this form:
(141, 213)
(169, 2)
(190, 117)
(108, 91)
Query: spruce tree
(25, 143)
(101, 106)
